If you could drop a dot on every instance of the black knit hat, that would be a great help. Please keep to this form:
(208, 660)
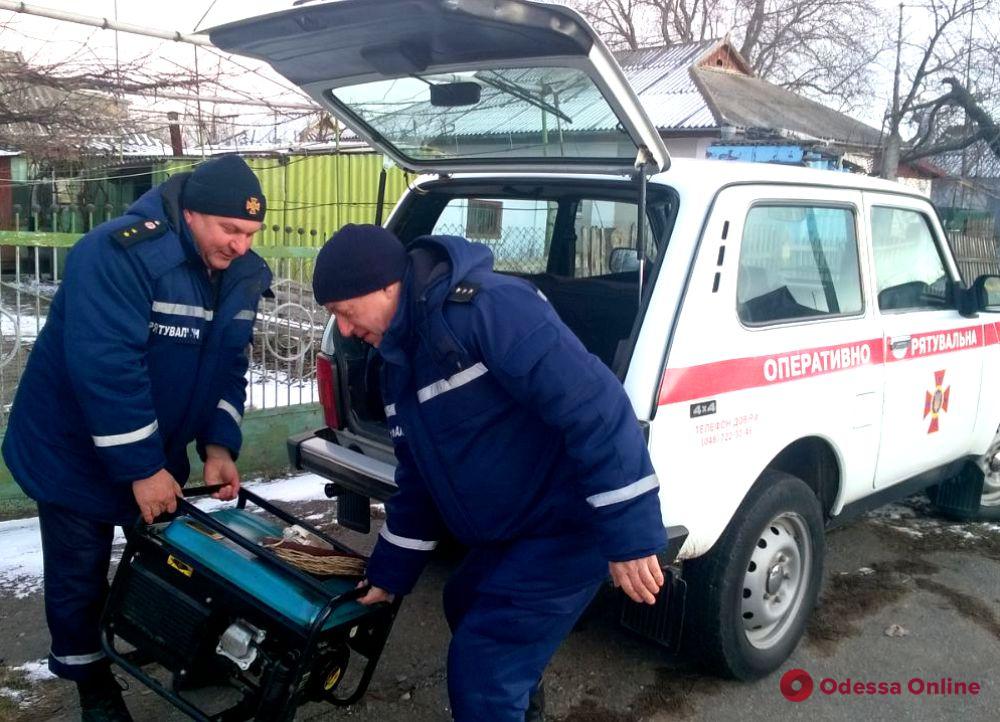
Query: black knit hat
(356, 261)
(225, 186)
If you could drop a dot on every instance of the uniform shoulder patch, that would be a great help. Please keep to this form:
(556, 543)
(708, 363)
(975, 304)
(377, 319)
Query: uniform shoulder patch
(464, 292)
(140, 230)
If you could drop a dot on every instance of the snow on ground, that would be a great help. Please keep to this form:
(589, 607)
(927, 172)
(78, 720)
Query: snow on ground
(21, 560)
(28, 324)
(31, 286)
(915, 517)
(270, 389)
(31, 673)
(14, 695)
(37, 671)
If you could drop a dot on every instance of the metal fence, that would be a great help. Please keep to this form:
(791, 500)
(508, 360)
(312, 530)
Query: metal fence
(287, 334)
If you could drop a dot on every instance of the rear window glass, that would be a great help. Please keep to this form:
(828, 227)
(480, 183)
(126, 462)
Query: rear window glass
(537, 112)
(606, 238)
(520, 231)
(798, 262)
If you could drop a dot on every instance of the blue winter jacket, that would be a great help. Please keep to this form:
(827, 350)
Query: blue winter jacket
(142, 352)
(507, 431)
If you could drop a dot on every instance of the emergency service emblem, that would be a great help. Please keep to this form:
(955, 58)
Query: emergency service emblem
(253, 205)
(936, 403)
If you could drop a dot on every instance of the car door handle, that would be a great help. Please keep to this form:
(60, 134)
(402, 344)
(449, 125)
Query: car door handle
(898, 343)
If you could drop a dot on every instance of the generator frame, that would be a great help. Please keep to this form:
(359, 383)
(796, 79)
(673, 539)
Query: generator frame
(280, 689)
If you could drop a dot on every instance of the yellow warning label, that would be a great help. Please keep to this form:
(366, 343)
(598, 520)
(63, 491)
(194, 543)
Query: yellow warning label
(185, 569)
(332, 679)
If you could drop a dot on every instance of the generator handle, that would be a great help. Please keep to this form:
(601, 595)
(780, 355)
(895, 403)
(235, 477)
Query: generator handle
(246, 494)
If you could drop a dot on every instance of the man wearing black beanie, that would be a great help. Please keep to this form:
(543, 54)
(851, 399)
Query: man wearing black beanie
(509, 436)
(143, 352)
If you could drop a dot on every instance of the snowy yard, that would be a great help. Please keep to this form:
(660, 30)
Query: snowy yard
(21, 562)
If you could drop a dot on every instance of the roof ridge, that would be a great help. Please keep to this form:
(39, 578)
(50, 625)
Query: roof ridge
(786, 91)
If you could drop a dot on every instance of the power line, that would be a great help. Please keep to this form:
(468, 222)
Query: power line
(230, 101)
(205, 15)
(104, 23)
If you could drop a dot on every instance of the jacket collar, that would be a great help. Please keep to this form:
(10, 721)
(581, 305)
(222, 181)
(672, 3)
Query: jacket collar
(170, 195)
(426, 271)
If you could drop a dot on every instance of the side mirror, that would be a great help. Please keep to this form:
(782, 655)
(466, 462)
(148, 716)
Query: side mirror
(986, 292)
(623, 260)
(453, 95)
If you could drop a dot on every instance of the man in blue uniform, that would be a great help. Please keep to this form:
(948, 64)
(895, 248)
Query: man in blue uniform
(143, 351)
(511, 437)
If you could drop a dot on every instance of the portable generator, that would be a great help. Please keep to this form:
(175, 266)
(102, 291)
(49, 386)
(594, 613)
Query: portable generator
(201, 602)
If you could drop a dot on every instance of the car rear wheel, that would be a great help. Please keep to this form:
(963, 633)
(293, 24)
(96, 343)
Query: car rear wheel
(989, 465)
(750, 597)
(974, 494)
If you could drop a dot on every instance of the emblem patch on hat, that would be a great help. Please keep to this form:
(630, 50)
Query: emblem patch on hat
(253, 205)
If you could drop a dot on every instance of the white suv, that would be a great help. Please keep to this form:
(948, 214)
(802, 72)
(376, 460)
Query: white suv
(798, 344)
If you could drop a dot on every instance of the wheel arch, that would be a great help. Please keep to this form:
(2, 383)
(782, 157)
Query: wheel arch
(814, 460)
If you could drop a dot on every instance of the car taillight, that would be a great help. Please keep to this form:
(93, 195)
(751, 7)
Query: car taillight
(325, 380)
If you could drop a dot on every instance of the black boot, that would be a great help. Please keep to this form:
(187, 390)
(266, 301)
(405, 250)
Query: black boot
(101, 700)
(536, 705)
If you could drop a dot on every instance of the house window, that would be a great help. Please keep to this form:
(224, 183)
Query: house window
(485, 219)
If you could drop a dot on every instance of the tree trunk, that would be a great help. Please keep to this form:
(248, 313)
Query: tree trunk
(890, 156)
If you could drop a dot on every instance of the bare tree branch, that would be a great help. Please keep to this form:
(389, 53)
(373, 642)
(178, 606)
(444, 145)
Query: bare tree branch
(929, 143)
(955, 43)
(807, 45)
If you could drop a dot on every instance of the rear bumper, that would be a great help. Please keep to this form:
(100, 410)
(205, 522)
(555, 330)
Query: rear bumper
(358, 465)
(676, 536)
(350, 461)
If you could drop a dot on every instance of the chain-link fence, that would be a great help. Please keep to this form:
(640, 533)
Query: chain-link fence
(525, 249)
(516, 249)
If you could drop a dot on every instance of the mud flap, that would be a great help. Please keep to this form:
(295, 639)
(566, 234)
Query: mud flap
(961, 496)
(661, 622)
(353, 509)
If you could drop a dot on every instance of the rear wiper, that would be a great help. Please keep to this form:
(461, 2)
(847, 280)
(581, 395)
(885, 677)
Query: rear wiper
(524, 94)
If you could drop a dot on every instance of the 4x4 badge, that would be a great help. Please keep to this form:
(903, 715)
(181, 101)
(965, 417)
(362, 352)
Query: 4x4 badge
(936, 403)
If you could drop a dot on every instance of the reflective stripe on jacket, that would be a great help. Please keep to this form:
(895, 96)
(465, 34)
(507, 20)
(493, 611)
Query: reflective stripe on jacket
(142, 352)
(504, 425)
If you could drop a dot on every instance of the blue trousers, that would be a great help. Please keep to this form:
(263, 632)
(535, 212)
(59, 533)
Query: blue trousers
(502, 640)
(76, 552)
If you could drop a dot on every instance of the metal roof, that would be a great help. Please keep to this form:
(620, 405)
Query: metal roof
(130, 145)
(752, 103)
(37, 97)
(678, 95)
(662, 80)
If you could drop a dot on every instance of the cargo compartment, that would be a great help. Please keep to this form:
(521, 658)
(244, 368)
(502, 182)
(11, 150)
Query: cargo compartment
(573, 239)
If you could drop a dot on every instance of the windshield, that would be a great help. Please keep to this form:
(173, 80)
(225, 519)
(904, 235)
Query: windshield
(547, 112)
